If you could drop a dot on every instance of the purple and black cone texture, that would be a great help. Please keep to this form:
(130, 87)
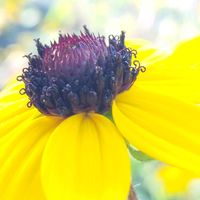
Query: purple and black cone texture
(79, 73)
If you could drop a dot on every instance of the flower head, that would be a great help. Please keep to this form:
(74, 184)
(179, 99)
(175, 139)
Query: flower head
(174, 180)
(78, 74)
(78, 153)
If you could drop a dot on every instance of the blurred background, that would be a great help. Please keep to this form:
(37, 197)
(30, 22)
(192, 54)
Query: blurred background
(164, 22)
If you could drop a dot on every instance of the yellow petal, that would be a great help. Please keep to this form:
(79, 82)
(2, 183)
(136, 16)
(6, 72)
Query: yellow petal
(181, 63)
(14, 114)
(11, 93)
(160, 126)
(185, 90)
(176, 75)
(174, 180)
(14, 121)
(137, 43)
(20, 158)
(187, 51)
(146, 52)
(86, 159)
(13, 108)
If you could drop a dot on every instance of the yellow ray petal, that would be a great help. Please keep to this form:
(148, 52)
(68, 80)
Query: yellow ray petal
(176, 75)
(8, 125)
(20, 158)
(137, 43)
(13, 108)
(86, 159)
(160, 126)
(10, 97)
(181, 63)
(146, 52)
(15, 113)
(187, 51)
(185, 90)
(10, 92)
(13, 84)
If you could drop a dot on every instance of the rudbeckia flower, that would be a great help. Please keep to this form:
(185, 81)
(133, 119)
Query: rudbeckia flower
(62, 145)
(175, 181)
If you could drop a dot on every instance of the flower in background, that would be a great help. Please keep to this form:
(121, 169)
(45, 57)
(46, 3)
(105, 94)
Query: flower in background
(175, 180)
(62, 145)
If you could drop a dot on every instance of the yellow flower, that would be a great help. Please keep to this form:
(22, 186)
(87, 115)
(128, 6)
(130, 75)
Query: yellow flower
(84, 156)
(175, 180)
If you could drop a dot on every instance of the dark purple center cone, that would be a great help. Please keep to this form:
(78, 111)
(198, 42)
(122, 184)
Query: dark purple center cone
(78, 74)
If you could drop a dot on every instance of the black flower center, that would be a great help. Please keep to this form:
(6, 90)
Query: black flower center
(78, 74)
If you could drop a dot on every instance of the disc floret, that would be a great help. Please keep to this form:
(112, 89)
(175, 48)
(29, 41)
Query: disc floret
(79, 73)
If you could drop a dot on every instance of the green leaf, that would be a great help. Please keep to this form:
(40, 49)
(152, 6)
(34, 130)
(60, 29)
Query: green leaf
(108, 114)
(138, 155)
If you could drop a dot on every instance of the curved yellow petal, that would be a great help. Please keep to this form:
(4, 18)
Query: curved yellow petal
(187, 52)
(174, 179)
(176, 75)
(160, 126)
(20, 158)
(86, 159)
(13, 108)
(182, 62)
(185, 90)
(10, 92)
(11, 123)
(10, 110)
